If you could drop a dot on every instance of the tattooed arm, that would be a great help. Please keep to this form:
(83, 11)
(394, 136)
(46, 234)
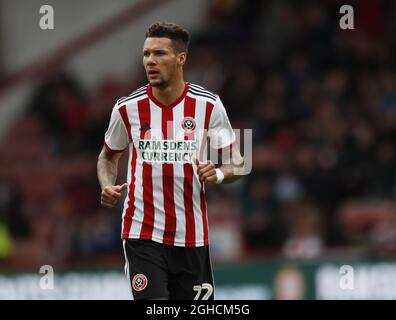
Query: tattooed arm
(107, 168)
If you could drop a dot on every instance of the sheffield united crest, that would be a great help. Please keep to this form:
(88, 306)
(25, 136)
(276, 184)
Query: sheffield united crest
(188, 124)
(139, 282)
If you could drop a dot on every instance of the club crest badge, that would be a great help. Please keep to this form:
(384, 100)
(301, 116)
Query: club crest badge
(188, 124)
(139, 282)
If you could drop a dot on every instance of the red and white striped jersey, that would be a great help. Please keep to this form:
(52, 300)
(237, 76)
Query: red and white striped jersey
(165, 200)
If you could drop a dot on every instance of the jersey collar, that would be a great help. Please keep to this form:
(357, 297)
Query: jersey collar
(173, 104)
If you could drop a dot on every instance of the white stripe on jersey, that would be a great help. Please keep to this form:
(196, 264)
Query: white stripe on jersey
(158, 192)
(137, 220)
(200, 106)
(178, 172)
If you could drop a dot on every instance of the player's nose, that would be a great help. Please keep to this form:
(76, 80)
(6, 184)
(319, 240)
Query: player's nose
(150, 61)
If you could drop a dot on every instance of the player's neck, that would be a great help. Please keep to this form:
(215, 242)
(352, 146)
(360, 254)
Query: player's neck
(170, 93)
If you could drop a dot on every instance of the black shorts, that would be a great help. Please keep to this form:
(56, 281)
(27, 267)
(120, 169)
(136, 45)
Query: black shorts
(158, 271)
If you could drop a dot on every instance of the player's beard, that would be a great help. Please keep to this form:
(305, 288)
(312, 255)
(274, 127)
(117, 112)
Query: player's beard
(160, 84)
(163, 83)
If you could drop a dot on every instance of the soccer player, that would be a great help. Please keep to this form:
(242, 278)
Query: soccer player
(165, 126)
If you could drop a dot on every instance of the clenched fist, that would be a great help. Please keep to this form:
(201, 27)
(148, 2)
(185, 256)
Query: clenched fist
(206, 171)
(110, 195)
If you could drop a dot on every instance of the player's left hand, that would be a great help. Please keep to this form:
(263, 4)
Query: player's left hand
(206, 171)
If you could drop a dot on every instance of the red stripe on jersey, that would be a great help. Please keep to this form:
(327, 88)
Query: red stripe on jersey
(125, 119)
(188, 205)
(148, 202)
(189, 111)
(167, 182)
(131, 199)
(204, 216)
(208, 113)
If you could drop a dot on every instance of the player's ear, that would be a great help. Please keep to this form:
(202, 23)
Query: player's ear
(181, 58)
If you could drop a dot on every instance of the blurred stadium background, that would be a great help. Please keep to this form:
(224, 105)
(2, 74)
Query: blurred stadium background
(322, 105)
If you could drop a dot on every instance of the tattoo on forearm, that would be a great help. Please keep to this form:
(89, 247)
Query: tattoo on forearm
(107, 169)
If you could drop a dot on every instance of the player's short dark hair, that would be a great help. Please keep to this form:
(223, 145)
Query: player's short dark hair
(179, 36)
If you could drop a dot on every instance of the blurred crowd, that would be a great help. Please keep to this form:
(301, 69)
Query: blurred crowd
(322, 105)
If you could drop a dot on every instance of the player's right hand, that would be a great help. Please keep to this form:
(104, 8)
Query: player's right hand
(110, 195)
